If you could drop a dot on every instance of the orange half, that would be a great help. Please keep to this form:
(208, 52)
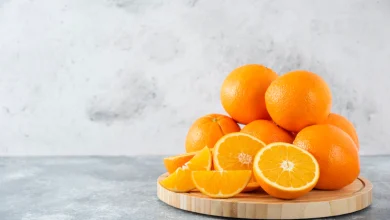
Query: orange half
(221, 184)
(236, 151)
(285, 171)
(180, 180)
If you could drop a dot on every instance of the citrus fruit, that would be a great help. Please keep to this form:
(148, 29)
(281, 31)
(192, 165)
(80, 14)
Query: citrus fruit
(298, 99)
(174, 162)
(236, 151)
(180, 180)
(252, 185)
(285, 171)
(335, 152)
(207, 130)
(221, 184)
(267, 131)
(293, 134)
(242, 92)
(345, 125)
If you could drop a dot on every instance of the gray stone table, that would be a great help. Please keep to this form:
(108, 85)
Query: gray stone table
(83, 188)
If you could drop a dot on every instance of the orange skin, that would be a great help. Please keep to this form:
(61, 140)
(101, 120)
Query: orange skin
(242, 92)
(298, 99)
(345, 125)
(267, 131)
(207, 130)
(336, 153)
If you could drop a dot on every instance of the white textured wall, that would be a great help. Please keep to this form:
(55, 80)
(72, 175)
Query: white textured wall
(109, 77)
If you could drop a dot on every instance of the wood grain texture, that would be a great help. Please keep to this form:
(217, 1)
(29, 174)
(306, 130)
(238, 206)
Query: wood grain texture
(259, 205)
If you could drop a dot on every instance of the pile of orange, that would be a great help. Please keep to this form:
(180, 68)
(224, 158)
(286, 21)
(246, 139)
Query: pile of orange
(290, 142)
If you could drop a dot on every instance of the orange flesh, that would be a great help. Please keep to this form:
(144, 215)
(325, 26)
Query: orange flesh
(287, 166)
(180, 180)
(172, 163)
(221, 184)
(236, 153)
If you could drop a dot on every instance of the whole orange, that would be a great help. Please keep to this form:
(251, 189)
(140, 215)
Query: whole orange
(267, 131)
(242, 92)
(335, 152)
(298, 99)
(207, 130)
(345, 125)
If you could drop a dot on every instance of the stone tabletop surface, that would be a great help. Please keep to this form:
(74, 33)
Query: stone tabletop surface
(113, 188)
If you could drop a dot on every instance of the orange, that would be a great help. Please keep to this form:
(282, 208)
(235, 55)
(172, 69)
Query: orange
(345, 125)
(285, 171)
(174, 162)
(221, 184)
(242, 92)
(293, 134)
(252, 185)
(267, 131)
(180, 180)
(298, 99)
(207, 130)
(236, 151)
(335, 152)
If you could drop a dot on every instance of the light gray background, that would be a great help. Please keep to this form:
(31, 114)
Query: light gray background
(124, 77)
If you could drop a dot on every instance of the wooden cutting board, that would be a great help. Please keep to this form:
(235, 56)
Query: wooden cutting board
(259, 205)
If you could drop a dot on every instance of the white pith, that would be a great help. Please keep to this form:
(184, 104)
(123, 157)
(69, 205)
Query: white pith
(287, 165)
(244, 158)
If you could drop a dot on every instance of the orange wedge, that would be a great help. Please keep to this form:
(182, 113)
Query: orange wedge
(252, 185)
(174, 162)
(236, 151)
(180, 180)
(221, 184)
(285, 171)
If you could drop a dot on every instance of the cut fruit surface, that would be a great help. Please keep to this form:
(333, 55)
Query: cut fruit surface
(236, 151)
(252, 186)
(174, 162)
(221, 184)
(180, 180)
(285, 171)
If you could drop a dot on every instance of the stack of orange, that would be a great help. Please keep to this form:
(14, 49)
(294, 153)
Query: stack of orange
(290, 142)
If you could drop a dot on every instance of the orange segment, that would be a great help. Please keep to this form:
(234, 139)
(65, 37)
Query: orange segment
(221, 184)
(180, 180)
(174, 162)
(236, 151)
(285, 171)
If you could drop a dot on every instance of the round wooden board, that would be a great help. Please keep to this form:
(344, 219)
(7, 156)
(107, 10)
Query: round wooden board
(259, 205)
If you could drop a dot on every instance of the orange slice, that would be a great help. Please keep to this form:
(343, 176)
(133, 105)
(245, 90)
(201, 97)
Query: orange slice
(174, 162)
(252, 186)
(285, 171)
(221, 184)
(236, 151)
(180, 180)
